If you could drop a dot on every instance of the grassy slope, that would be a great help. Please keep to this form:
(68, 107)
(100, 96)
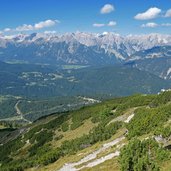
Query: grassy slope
(82, 121)
(76, 157)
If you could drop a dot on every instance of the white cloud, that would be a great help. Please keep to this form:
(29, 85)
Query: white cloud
(112, 23)
(98, 25)
(37, 26)
(151, 13)
(25, 27)
(47, 23)
(151, 25)
(7, 30)
(166, 24)
(108, 8)
(168, 13)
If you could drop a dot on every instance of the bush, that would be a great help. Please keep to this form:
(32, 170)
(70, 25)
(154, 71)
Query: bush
(65, 127)
(142, 156)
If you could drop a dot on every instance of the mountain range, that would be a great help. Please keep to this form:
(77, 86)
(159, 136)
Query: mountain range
(155, 60)
(80, 48)
(35, 64)
(72, 69)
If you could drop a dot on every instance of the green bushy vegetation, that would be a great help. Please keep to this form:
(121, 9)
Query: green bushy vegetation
(152, 117)
(65, 126)
(43, 154)
(165, 132)
(7, 107)
(138, 155)
(148, 119)
(134, 101)
(51, 125)
(161, 99)
(100, 133)
(143, 155)
(103, 110)
(8, 148)
(39, 139)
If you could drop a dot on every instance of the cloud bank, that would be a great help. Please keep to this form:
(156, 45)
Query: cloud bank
(36, 26)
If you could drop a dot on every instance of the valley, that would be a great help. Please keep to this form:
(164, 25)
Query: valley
(37, 81)
(29, 91)
(85, 85)
(41, 65)
(25, 111)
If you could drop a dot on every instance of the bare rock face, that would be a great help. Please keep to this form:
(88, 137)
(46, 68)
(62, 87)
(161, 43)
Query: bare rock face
(79, 48)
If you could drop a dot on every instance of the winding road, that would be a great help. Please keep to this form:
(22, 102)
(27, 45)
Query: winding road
(20, 113)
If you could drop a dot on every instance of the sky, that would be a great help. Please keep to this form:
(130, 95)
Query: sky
(120, 16)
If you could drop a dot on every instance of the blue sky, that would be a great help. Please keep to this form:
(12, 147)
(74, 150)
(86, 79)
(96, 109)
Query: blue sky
(120, 16)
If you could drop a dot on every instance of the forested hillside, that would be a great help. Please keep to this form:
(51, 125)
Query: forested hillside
(43, 81)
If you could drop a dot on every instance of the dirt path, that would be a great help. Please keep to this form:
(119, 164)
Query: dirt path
(91, 160)
(125, 117)
(129, 118)
(92, 156)
(101, 160)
